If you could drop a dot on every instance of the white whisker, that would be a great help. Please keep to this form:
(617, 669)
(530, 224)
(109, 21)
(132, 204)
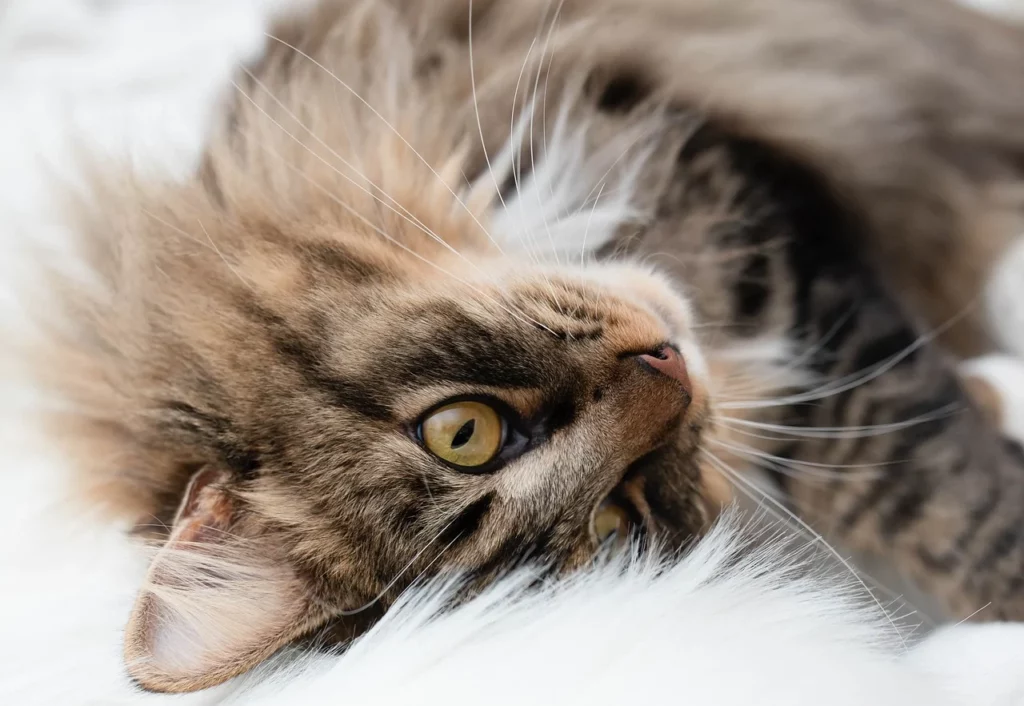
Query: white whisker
(974, 614)
(802, 469)
(390, 127)
(845, 432)
(376, 599)
(853, 380)
(515, 139)
(544, 56)
(227, 264)
(586, 231)
(476, 110)
(790, 516)
(519, 316)
(396, 208)
(211, 245)
(366, 221)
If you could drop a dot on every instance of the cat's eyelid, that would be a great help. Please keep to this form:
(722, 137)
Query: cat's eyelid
(523, 404)
(509, 413)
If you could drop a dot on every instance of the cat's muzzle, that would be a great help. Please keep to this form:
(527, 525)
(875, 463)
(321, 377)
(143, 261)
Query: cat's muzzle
(646, 500)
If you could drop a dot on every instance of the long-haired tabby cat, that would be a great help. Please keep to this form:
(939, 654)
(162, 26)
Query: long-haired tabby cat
(406, 318)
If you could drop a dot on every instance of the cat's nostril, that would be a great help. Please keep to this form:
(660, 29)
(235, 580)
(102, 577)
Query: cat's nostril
(667, 361)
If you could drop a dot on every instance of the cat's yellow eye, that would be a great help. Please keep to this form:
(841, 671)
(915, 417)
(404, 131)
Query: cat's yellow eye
(467, 434)
(610, 520)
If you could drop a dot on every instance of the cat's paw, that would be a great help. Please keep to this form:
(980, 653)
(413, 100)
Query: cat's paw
(996, 383)
(980, 664)
(1004, 299)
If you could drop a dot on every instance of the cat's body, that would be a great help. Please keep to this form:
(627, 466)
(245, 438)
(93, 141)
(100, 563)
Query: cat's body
(365, 244)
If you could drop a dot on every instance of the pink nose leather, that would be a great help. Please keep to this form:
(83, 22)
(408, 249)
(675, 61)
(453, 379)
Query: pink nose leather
(667, 361)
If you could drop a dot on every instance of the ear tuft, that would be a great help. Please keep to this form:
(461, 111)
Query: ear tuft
(218, 599)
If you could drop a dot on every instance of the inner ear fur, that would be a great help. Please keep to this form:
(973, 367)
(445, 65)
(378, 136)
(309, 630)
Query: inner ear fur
(219, 598)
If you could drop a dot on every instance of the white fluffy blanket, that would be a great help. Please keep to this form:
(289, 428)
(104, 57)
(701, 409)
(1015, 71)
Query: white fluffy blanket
(140, 75)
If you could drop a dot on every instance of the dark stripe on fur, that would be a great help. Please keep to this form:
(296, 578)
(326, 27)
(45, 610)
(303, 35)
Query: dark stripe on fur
(467, 522)
(979, 515)
(1010, 538)
(219, 433)
(752, 290)
(506, 557)
(307, 360)
(461, 350)
(945, 563)
(339, 261)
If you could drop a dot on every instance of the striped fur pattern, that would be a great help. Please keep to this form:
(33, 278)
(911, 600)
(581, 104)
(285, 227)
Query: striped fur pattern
(417, 202)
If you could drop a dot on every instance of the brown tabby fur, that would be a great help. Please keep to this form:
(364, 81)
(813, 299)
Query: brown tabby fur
(273, 328)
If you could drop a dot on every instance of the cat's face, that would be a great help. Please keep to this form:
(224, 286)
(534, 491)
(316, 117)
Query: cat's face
(396, 424)
(485, 421)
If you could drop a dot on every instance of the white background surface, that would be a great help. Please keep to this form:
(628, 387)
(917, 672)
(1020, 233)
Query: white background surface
(137, 78)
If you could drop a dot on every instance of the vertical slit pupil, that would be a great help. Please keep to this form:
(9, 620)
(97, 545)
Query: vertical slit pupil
(464, 434)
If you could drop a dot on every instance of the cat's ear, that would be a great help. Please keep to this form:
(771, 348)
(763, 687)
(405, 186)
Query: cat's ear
(218, 599)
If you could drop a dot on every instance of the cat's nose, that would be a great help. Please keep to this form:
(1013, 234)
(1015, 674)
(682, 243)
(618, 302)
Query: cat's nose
(669, 362)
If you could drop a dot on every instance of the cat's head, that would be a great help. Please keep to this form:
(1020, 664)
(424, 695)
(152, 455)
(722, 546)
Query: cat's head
(354, 420)
(312, 364)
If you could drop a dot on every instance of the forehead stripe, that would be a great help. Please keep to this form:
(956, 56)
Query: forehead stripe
(307, 360)
(461, 349)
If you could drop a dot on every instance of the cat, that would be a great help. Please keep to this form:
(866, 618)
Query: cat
(403, 320)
